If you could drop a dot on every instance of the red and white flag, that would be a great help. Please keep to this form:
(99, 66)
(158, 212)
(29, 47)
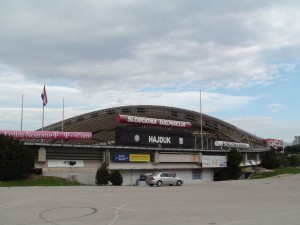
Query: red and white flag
(44, 96)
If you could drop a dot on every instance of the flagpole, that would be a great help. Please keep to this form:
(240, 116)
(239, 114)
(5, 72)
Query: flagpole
(63, 117)
(43, 118)
(201, 121)
(22, 112)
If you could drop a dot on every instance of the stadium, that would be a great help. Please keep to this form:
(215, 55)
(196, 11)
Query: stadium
(141, 139)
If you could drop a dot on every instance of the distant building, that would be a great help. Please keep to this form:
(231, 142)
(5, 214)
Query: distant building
(296, 140)
(275, 143)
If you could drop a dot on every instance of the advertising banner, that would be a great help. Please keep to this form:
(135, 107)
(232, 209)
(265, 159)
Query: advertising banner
(65, 163)
(146, 137)
(152, 121)
(131, 157)
(213, 161)
(139, 158)
(53, 135)
(121, 158)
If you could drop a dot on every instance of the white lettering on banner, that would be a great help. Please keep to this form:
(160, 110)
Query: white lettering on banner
(152, 121)
(48, 135)
(134, 119)
(171, 123)
(181, 141)
(160, 140)
(231, 144)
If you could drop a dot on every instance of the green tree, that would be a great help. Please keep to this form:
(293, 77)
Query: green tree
(233, 171)
(294, 160)
(284, 160)
(234, 160)
(295, 149)
(102, 175)
(116, 178)
(270, 160)
(16, 161)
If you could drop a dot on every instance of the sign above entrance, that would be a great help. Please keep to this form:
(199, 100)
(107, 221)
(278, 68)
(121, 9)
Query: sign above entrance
(152, 121)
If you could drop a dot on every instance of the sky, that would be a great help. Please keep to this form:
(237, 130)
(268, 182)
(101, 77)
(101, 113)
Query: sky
(243, 55)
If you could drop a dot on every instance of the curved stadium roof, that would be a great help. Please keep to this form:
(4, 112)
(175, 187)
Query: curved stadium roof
(102, 124)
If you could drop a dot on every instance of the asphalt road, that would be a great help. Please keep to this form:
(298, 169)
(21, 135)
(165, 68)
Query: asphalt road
(274, 201)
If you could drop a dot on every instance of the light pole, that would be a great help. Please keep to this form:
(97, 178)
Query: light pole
(201, 122)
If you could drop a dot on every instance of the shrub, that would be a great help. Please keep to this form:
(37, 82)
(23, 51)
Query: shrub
(16, 161)
(116, 178)
(102, 176)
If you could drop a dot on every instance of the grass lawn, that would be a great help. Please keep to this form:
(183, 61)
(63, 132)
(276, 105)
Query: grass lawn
(35, 180)
(275, 172)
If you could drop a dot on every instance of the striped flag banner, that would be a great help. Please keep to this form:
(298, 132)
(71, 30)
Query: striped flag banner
(44, 96)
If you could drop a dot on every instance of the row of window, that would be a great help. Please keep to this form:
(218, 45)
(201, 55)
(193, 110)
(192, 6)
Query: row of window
(197, 174)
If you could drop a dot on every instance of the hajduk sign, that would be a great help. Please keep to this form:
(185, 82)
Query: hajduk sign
(146, 137)
(53, 135)
(152, 121)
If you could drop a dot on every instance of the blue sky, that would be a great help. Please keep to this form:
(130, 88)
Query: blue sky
(243, 55)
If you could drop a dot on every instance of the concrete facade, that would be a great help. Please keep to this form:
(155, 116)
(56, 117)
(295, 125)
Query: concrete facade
(127, 139)
(188, 165)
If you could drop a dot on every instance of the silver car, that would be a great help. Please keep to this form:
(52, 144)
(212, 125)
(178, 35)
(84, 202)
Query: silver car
(164, 178)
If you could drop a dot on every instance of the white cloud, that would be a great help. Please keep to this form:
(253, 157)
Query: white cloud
(266, 127)
(276, 107)
(230, 48)
(99, 54)
(77, 103)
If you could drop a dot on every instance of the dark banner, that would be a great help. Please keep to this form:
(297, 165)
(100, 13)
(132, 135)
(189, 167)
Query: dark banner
(146, 137)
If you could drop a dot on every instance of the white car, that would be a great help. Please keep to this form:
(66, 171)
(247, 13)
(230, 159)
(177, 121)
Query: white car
(164, 178)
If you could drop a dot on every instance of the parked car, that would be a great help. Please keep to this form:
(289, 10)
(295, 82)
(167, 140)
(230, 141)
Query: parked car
(145, 176)
(164, 178)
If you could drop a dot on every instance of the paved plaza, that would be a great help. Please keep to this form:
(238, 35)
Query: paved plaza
(274, 201)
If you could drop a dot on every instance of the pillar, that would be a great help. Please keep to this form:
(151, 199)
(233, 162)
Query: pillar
(156, 157)
(200, 158)
(42, 155)
(106, 156)
(245, 157)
